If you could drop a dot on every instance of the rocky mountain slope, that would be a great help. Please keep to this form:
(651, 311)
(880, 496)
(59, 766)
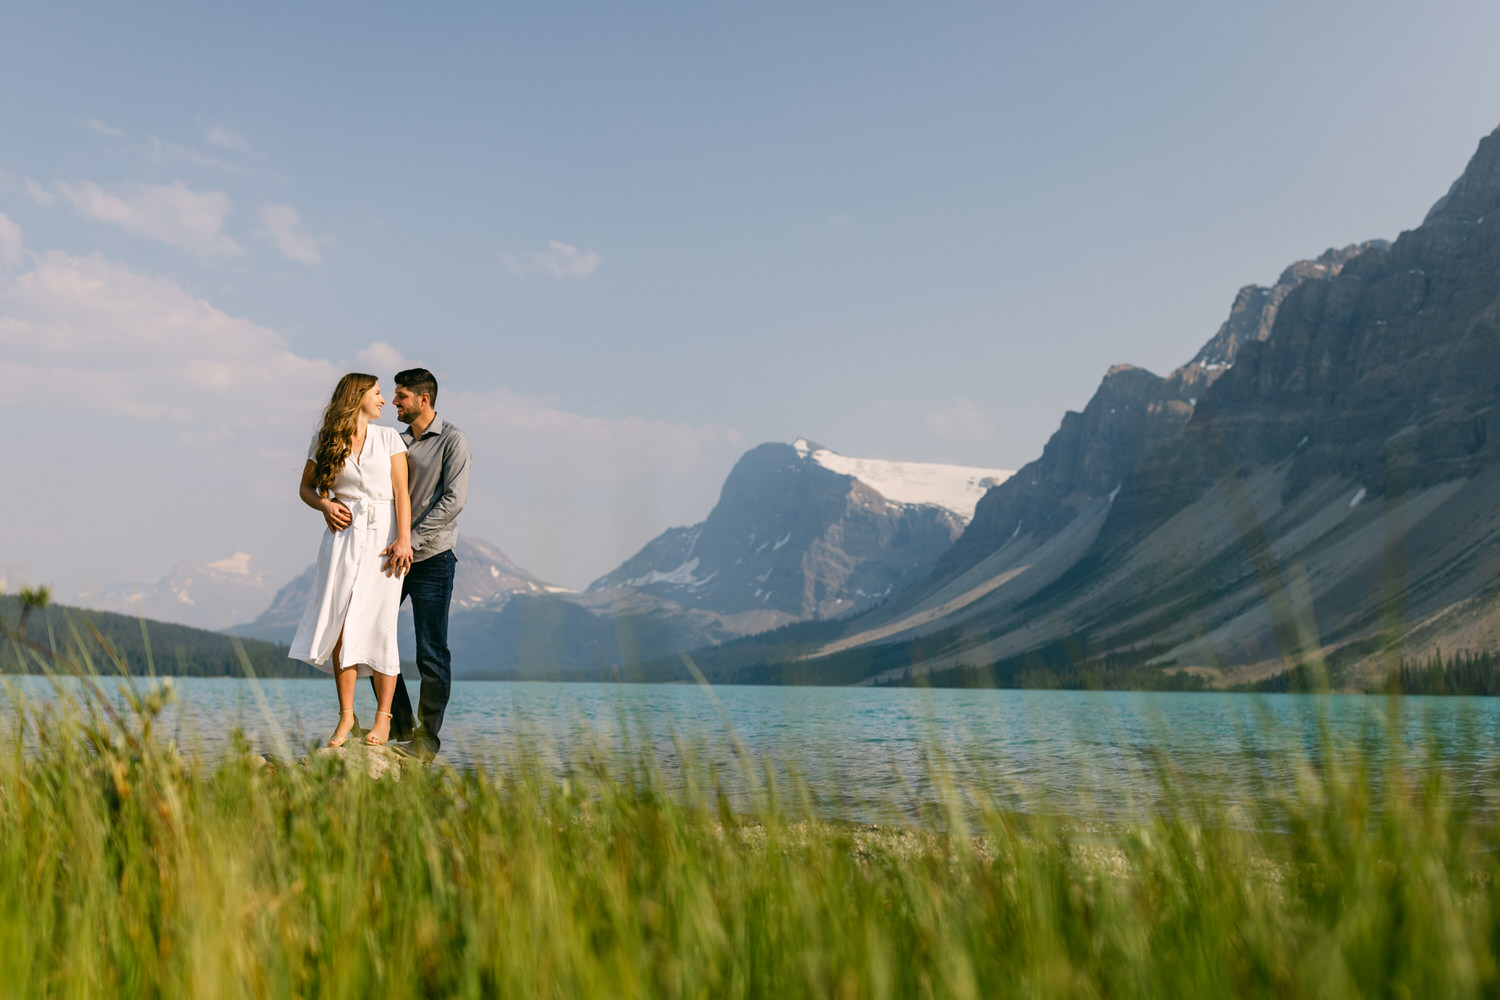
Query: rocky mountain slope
(1133, 413)
(1317, 482)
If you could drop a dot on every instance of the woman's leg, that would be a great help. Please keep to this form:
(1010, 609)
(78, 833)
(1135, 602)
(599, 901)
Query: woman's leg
(344, 681)
(385, 690)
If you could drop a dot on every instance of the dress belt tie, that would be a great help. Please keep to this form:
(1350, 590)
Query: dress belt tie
(367, 509)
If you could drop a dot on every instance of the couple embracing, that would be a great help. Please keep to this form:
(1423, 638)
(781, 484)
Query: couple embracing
(391, 502)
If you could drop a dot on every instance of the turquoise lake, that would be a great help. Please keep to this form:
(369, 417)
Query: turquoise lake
(864, 751)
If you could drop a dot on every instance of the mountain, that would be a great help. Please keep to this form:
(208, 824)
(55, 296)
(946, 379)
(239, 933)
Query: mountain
(1254, 313)
(484, 580)
(1131, 414)
(210, 596)
(799, 533)
(802, 532)
(1317, 484)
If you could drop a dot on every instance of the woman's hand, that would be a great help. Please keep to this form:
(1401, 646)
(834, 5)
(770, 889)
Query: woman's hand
(397, 557)
(335, 515)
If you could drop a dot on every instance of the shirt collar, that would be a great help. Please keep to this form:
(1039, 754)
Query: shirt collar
(436, 427)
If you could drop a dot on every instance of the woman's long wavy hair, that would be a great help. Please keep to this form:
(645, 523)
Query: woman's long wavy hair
(340, 421)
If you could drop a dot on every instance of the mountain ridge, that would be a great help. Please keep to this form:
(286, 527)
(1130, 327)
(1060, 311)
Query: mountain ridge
(1318, 479)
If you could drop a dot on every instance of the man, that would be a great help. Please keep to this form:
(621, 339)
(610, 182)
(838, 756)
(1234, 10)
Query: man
(437, 460)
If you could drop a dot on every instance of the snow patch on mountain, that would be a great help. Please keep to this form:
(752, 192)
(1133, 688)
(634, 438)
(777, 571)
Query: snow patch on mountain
(955, 487)
(237, 564)
(682, 576)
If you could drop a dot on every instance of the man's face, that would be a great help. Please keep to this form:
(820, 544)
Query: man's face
(408, 406)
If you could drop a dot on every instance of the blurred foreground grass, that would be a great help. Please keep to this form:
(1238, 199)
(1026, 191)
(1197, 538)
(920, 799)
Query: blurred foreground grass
(127, 870)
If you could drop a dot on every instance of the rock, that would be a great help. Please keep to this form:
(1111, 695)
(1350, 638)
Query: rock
(375, 762)
(1253, 315)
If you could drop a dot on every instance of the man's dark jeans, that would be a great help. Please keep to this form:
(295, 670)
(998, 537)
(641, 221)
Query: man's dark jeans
(429, 584)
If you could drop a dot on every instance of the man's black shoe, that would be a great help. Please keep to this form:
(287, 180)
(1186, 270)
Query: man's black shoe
(424, 744)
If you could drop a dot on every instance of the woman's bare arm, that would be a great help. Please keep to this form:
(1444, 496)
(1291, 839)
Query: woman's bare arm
(335, 514)
(398, 553)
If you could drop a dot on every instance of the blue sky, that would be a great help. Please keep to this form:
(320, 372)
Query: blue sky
(634, 240)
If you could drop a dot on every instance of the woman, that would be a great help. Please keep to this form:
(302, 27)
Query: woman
(356, 477)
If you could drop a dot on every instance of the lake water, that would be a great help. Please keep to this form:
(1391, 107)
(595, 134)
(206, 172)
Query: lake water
(858, 750)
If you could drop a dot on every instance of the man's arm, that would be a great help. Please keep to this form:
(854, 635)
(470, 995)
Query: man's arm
(455, 492)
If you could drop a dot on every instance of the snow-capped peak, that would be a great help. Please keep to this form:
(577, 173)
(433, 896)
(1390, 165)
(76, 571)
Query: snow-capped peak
(239, 564)
(956, 487)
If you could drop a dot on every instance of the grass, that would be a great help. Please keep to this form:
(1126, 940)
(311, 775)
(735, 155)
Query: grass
(127, 869)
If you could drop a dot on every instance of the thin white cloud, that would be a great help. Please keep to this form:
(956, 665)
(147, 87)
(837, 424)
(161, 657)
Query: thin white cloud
(223, 138)
(166, 154)
(221, 407)
(962, 421)
(172, 213)
(107, 338)
(282, 225)
(557, 260)
(840, 221)
(95, 125)
(40, 194)
(11, 244)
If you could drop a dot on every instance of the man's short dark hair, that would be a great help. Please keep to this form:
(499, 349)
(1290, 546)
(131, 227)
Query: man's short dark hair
(418, 381)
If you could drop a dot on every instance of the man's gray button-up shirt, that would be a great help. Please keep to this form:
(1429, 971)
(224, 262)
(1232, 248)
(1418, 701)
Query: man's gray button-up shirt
(438, 479)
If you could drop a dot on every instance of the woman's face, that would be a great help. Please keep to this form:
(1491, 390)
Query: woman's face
(372, 403)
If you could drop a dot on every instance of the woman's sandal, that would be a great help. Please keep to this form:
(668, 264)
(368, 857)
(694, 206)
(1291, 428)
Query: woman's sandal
(370, 738)
(340, 741)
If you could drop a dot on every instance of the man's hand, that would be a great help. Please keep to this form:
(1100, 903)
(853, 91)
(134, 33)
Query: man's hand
(396, 558)
(336, 515)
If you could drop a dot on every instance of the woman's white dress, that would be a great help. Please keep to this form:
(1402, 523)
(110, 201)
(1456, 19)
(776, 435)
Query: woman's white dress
(350, 592)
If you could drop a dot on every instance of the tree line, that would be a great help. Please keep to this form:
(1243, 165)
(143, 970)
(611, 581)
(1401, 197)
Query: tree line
(34, 631)
(1460, 673)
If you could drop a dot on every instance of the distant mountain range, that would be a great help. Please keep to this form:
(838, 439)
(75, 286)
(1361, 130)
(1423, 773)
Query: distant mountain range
(1317, 485)
(799, 532)
(211, 596)
(484, 580)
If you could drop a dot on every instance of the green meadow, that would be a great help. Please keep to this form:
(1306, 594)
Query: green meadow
(128, 869)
